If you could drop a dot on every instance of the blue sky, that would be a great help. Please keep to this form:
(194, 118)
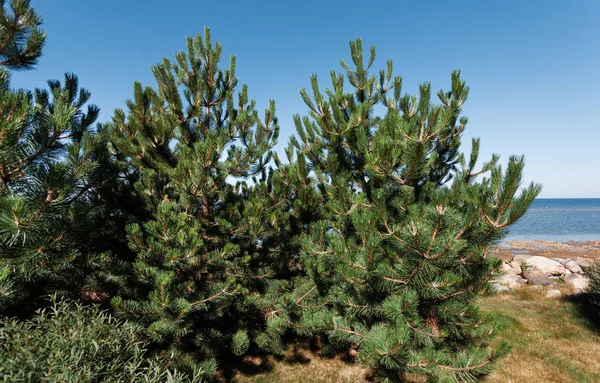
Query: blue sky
(533, 66)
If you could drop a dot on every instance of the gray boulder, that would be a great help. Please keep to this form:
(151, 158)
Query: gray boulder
(509, 281)
(582, 262)
(540, 280)
(553, 294)
(577, 281)
(546, 265)
(573, 267)
(511, 268)
(530, 272)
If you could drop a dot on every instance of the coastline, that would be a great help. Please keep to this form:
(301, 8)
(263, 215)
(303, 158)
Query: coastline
(549, 249)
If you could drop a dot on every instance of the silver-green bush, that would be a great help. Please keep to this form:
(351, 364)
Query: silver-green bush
(593, 272)
(71, 342)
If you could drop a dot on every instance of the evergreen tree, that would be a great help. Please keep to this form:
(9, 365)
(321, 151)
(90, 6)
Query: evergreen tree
(48, 171)
(48, 158)
(194, 154)
(21, 40)
(398, 246)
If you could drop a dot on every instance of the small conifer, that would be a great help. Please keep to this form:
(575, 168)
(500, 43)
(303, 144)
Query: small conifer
(48, 171)
(194, 153)
(398, 244)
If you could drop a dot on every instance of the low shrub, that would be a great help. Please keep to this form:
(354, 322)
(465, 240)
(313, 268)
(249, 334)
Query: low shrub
(593, 272)
(70, 342)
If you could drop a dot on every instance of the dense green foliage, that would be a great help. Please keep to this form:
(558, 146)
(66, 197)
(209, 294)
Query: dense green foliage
(48, 172)
(21, 40)
(187, 151)
(179, 216)
(49, 169)
(69, 342)
(593, 273)
(398, 250)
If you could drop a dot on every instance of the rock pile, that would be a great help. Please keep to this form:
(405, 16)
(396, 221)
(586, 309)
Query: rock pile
(536, 270)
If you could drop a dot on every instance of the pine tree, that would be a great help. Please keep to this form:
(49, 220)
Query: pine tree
(48, 171)
(48, 158)
(194, 154)
(403, 223)
(21, 40)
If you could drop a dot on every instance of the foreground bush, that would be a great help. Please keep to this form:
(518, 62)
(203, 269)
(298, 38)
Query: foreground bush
(593, 272)
(73, 343)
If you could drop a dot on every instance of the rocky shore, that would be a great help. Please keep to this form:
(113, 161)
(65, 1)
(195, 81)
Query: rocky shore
(544, 263)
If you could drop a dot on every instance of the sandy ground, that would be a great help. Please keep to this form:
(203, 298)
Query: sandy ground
(587, 249)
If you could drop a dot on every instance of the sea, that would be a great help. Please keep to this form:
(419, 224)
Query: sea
(560, 220)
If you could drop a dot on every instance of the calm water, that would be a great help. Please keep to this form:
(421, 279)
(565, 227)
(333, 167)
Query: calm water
(559, 220)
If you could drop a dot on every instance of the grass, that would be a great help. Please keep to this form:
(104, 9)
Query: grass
(303, 366)
(552, 342)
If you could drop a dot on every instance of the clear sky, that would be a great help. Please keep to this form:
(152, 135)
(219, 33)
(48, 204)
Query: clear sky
(533, 66)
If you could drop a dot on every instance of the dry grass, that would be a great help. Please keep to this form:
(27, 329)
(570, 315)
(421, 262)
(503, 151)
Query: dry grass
(303, 366)
(551, 343)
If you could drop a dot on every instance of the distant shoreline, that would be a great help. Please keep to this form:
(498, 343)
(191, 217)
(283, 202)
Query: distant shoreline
(571, 198)
(550, 249)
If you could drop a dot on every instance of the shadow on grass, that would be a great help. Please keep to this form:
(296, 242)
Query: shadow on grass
(249, 366)
(588, 306)
(263, 363)
(305, 360)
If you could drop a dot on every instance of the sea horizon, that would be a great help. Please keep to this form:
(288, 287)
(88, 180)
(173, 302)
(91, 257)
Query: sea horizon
(541, 198)
(559, 220)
